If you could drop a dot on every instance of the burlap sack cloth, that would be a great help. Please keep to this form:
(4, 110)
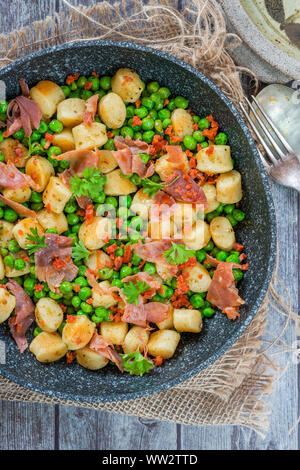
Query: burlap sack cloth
(233, 390)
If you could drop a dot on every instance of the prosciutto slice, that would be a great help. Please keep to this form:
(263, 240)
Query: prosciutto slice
(12, 178)
(106, 349)
(54, 264)
(175, 155)
(185, 189)
(128, 159)
(24, 315)
(152, 251)
(19, 208)
(140, 314)
(91, 108)
(143, 277)
(223, 293)
(22, 112)
(214, 262)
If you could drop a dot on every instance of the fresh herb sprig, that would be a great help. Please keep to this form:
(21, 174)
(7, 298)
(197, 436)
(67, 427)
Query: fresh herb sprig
(151, 188)
(178, 254)
(89, 184)
(35, 241)
(132, 291)
(79, 252)
(136, 364)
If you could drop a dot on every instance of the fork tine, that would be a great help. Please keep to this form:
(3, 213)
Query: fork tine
(264, 144)
(260, 122)
(275, 129)
(265, 163)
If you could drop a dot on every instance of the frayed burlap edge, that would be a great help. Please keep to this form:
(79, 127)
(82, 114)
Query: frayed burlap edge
(234, 389)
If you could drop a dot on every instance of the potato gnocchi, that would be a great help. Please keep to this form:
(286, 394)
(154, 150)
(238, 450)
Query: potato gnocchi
(119, 237)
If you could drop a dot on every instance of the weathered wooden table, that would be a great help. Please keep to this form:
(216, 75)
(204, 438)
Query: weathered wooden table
(35, 426)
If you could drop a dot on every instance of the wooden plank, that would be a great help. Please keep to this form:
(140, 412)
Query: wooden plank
(88, 429)
(26, 426)
(20, 13)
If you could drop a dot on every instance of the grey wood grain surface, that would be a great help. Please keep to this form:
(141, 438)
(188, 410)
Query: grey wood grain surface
(36, 426)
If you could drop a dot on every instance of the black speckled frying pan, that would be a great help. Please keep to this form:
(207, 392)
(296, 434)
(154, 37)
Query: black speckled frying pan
(258, 233)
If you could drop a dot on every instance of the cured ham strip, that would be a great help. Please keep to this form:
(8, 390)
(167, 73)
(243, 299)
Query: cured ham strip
(24, 315)
(162, 206)
(128, 159)
(185, 189)
(106, 349)
(19, 208)
(54, 264)
(91, 108)
(223, 293)
(214, 262)
(175, 154)
(12, 178)
(22, 112)
(139, 315)
(143, 277)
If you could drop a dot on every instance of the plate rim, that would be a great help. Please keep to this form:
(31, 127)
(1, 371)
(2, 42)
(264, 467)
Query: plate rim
(254, 38)
(273, 231)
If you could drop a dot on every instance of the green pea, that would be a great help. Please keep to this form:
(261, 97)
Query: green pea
(10, 215)
(229, 208)
(220, 208)
(196, 118)
(112, 201)
(233, 259)
(9, 261)
(147, 103)
(66, 90)
(201, 255)
(208, 312)
(73, 219)
(86, 94)
(13, 246)
(19, 264)
(100, 198)
(54, 150)
(76, 228)
(196, 301)
(204, 145)
(76, 301)
(153, 87)
(204, 123)
(155, 178)
(238, 215)
(81, 81)
(81, 281)
(150, 268)
(211, 216)
(231, 219)
(141, 112)
(171, 105)
(102, 313)
(3, 117)
(116, 283)
(37, 206)
(35, 136)
(125, 271)
(148, 136)
(135, 179)
(100, 93)
(237, 274)
(105, 273)
(164, 93)
(66, 287)
(166, 123)
(190, 142)
(109, 145)
(221, 139)
(166, 292)
(147, 124)
(105, 82)
(156, 298)
(86, 308)
(37, 331)
(36, 197)
(29, 283)
(127, 131)
(130, 111)
(158, 126)
(181, 102)
(138, 136)
(164, 114)
(19, 135)
(153, 114)
(222, 256)
(32, 270)
(198, 136)
(55, 125)
(136, 222)
(64, 164)
(3, 107)
(209, 246)
(135, 260)
(95, 83)
(82, 270)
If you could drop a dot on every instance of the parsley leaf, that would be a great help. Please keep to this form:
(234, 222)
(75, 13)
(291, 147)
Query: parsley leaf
(35, 241)
(132, 291)
(90, 184)
(178, 254)
(33, 147)
(136, 364)
(79, 252)
(151, 188)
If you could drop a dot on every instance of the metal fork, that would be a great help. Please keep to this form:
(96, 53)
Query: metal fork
(280, 162)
